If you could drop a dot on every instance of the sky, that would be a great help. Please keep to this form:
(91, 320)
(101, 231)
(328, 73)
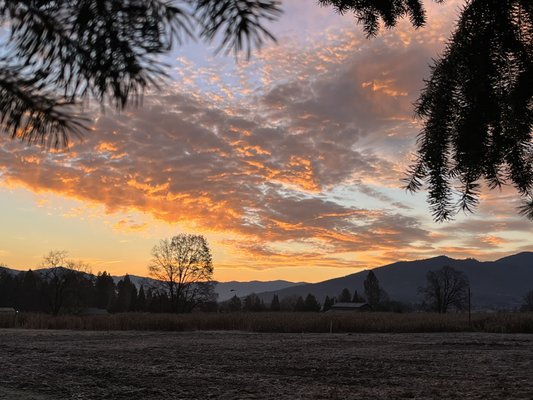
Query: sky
(290, 163)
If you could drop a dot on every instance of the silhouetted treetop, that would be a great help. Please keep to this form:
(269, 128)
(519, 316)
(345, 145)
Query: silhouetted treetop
(371, 13)
(477, 106)
(477, 110)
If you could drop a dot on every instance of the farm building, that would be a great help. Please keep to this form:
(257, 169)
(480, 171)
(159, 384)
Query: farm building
(357, 307)
(7, 310)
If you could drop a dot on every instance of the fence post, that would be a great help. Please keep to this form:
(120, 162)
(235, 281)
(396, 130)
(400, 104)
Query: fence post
(469, 308)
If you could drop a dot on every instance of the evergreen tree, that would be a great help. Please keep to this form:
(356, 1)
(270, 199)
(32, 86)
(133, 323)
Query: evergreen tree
(234, 304)
(300, 304)
(252, 302)
(104, 291)
(78, 291)
(31, 293)
(357, 298)
(327, 303)
(528, 302)
(126, 295)
(345, 296)
(7, 290)
(373, 292)
(311, 303)
(141, 300)
(274, 304)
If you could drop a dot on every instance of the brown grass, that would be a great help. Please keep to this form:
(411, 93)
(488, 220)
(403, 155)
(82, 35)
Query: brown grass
(280, 322)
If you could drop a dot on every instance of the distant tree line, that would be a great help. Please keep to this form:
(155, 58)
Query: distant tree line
(75, 292)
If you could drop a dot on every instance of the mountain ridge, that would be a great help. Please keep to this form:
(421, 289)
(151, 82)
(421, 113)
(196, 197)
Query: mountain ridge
(495, 284)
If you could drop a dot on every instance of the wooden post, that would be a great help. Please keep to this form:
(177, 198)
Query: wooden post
(469, 308)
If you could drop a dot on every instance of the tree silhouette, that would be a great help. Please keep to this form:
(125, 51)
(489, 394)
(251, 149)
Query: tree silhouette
(373, 292)
(104, 291)
(328, 303)
(60, 275)
(59, 54)
(234, 304)
(183, 263)
(446, 288)
(528, 301)
(300, 304)
(311, 303)
(345, 296)
(141, 300)
(253, 302)
(126, 295)
(357, 297)
(274, 304)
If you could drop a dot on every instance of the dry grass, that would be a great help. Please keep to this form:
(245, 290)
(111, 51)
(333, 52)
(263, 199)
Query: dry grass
(280, 322)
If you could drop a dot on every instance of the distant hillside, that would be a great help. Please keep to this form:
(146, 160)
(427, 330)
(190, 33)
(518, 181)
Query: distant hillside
(495, 284)
(227, 290)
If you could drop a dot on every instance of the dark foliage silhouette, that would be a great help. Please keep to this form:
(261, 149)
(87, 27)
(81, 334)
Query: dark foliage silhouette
(58, 54)
(274, 304)
(345, 296)
(476, 107)
(252, 302)
(184, 264)
(371, 13)
(372, 289)
(446, 288)
(528, 302)
(477, 110)
(311, 303)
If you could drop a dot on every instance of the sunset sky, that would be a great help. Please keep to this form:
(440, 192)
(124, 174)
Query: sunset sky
(289, 163)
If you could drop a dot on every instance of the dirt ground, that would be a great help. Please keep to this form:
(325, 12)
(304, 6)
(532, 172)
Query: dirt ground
(45, 365)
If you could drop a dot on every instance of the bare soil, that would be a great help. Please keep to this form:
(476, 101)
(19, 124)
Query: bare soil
(46, 365)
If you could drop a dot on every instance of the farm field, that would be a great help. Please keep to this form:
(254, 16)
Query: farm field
(46, 365)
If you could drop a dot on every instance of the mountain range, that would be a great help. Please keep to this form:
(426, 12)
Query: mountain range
(499, 284)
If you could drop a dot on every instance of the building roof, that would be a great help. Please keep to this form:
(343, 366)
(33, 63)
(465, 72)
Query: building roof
(350, 305)
(7, 310)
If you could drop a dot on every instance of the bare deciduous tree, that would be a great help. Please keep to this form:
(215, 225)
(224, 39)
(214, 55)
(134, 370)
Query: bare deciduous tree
(58, 269)
(446, 288)
(183, 263)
